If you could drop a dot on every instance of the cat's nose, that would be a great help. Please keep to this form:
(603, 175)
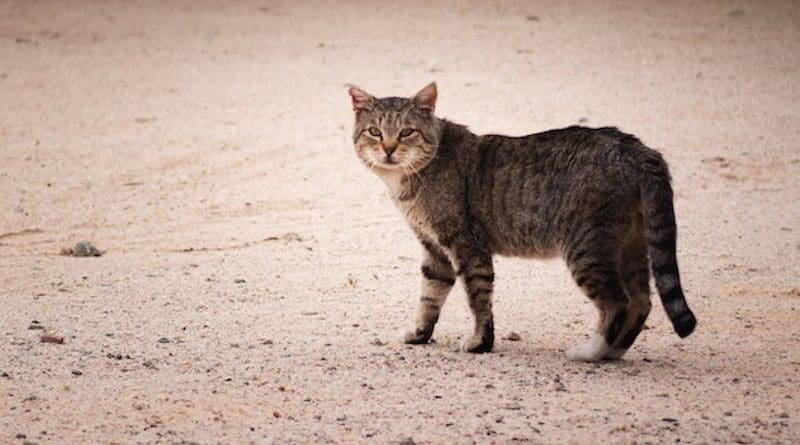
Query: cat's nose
(389, 146)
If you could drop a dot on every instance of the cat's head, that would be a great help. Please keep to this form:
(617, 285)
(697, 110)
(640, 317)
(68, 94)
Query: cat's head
(395, 134)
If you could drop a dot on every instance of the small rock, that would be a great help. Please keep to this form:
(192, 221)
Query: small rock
(163, 340)
(5, 375)
(784, 415)
(82, 248)
(35, 325)
(559, 384)
(669, 419)
(276, 414)
(291, 236)
(21, 436)
(378, 342)
(407, 441)
(512, 336)
(77, 373)
(50, 338)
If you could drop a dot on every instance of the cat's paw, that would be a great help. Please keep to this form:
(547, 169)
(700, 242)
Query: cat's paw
(476, 344)
(414, 336)
(593, 350)
(615, 354)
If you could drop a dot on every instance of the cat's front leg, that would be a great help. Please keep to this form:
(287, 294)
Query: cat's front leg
(478, 271)
(438, 277)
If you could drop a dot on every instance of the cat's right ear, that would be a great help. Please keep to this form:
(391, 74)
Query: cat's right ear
(362, 101)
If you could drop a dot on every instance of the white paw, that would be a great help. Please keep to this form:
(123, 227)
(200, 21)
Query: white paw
(593, 350)
(411, 337)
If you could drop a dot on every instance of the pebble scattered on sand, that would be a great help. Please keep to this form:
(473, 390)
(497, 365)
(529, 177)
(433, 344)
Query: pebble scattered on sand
(81, 248)
(50, 338)
(512, 336)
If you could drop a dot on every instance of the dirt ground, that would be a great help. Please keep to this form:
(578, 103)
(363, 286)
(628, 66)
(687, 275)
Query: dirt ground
(255, 274)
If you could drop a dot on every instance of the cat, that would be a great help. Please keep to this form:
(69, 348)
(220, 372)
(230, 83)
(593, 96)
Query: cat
(599, 198)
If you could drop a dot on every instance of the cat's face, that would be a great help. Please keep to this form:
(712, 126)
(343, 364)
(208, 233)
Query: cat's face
(394, 134)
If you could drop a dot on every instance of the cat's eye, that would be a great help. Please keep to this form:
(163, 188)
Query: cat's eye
(374, 131)
(406, 132)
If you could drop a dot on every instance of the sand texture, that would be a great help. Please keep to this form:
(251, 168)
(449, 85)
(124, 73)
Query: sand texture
(254, 274)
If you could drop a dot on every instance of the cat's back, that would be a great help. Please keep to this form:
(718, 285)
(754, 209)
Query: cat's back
(569, 143)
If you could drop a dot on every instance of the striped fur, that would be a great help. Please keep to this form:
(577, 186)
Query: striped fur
(598, 197)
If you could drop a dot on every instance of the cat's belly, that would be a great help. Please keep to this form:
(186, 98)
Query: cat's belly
(539, 252)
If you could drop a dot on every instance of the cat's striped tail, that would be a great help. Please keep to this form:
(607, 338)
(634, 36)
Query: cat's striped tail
(659, 216)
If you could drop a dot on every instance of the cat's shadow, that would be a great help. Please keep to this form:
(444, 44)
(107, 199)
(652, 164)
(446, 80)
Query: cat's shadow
(448, 350)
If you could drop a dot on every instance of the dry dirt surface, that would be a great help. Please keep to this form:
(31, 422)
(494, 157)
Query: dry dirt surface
(254, 275)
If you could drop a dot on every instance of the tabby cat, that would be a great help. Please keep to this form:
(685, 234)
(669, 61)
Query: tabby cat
(599, 198)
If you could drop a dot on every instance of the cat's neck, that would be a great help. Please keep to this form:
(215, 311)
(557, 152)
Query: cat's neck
(393, 180)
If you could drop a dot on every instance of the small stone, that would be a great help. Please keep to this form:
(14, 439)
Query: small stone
(34, 326)
(239, 281)
(81, 249)
(21, 436)
(50, 338)
(5, 375)
(77, 373)
(512, 336)
(727, 413)
(560, 387)
(163, 340)
(669, 419)
(276, 414)
(784, 415)
(377, 342)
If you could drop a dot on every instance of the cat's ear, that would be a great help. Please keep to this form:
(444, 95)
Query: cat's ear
(425, 100)
(362, 101)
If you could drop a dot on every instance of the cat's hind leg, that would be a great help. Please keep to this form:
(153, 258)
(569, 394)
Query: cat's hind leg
(635, 270)
(600, 281)
(438, 278)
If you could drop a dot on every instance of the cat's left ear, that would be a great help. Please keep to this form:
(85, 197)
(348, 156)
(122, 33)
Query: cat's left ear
(425, 100)
(362, 101)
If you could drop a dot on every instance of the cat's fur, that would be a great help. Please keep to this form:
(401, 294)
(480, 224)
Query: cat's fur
(597, 197)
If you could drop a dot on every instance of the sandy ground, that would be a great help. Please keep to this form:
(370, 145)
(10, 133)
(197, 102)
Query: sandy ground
(255, 274)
